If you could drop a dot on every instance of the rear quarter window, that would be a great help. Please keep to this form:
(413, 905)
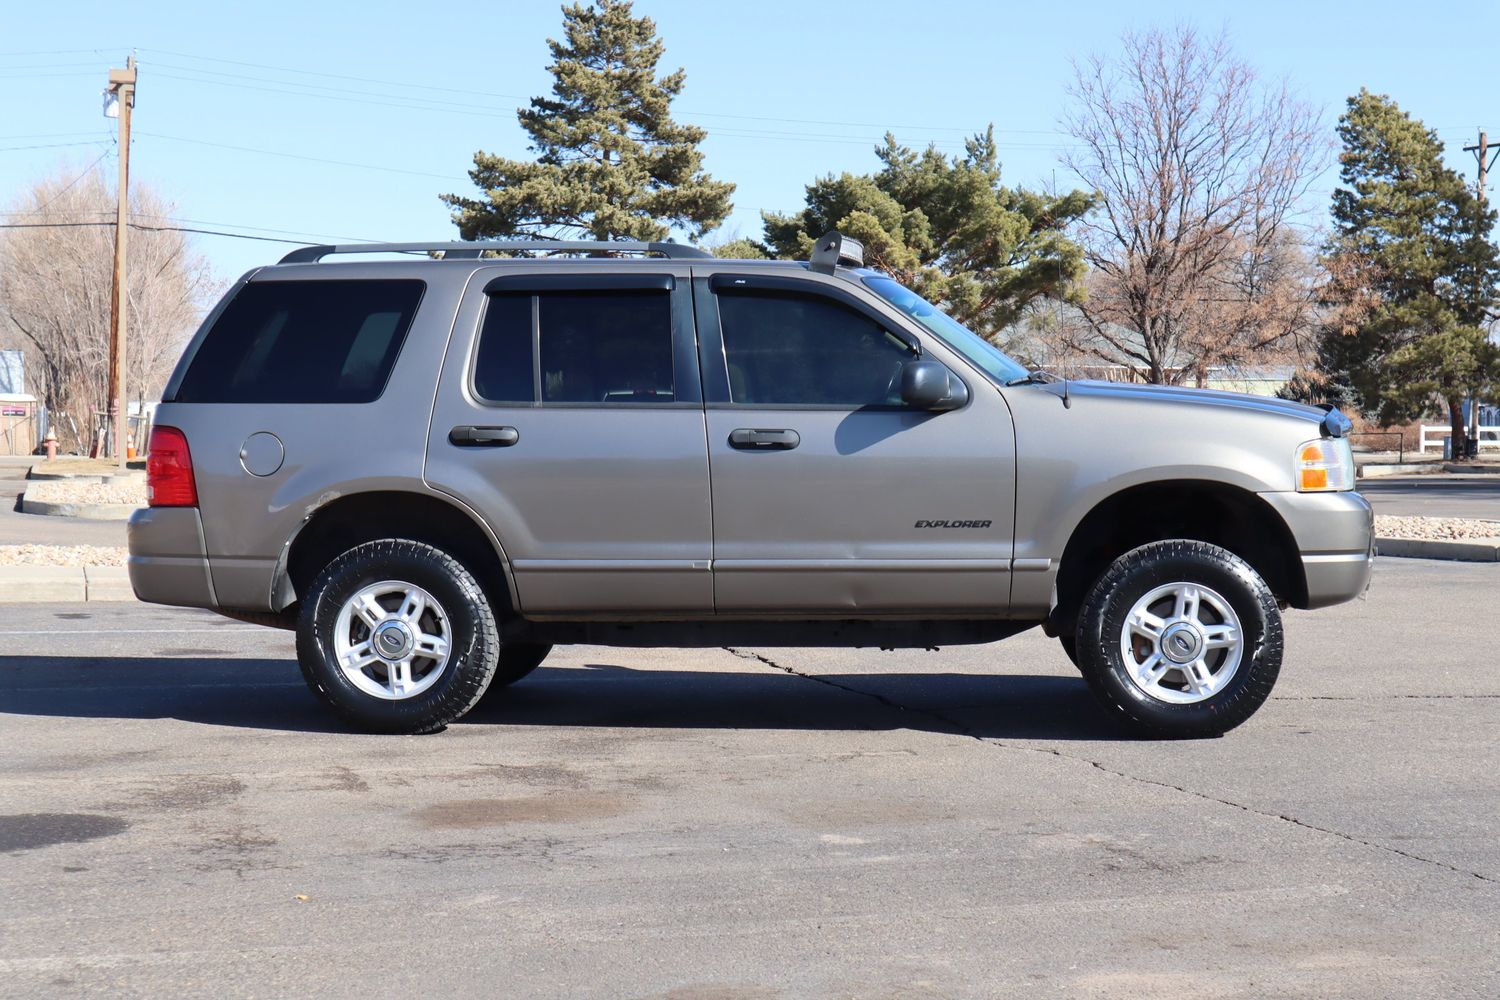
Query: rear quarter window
(303, 342)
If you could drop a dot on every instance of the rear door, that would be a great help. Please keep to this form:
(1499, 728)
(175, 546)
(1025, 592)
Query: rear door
(569, 415)
(829, 495)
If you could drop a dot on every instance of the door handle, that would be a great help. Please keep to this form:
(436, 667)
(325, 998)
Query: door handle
(760, 439)
(484, 437)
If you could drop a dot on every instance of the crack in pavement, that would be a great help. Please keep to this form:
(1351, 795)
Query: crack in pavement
(962, 730)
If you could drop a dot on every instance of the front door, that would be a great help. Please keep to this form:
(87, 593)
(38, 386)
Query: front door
(829, 495)
(569, 415)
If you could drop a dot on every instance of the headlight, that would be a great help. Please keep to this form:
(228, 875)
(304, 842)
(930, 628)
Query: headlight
(1324, 465)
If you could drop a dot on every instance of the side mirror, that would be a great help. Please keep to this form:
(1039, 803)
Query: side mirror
(927, 385)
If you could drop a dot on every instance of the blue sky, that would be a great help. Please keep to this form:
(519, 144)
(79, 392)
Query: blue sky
(321, 121)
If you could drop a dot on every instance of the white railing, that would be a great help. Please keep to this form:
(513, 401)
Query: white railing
(1433, 434)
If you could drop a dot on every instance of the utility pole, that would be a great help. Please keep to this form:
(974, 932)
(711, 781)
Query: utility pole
(1481, 153)
(122, 87)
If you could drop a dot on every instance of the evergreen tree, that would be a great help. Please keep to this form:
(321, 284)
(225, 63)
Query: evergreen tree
(948, 229)
(611, 163)
(1413, 272)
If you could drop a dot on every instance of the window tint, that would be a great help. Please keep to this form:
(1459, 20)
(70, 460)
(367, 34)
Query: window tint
(502, 371)
(303, 342)
(606, 347)
(807, 350)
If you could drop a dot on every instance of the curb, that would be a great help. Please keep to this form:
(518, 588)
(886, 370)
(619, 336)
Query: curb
(34, 584)
(70, 477)
(89, 511)
(1373, 470)
(1482, 550)
(1473, 470)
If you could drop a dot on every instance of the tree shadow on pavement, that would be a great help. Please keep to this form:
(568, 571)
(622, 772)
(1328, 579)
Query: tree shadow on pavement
(270, 694)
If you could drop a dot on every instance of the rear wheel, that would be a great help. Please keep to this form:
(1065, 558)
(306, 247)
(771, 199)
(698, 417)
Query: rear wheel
(1180, 639)
(396, 636)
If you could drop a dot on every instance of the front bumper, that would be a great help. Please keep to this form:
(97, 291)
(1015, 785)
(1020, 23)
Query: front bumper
(168, 560)
(1335, 535)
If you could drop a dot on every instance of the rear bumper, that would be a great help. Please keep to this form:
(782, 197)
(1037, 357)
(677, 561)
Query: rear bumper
(1335, 534)
(168, 560)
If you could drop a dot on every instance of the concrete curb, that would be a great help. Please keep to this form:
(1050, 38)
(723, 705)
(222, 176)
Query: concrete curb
(1473, 550)
(35, 584)
(1374, 471)
(70, 477)
(90, 511)
(1472, 470)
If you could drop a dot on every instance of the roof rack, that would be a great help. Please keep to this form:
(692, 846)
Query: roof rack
(834, 248)
(476, 249)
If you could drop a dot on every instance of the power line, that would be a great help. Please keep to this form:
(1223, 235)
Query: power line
(298, 156)
(405, 86)
(48, 76)
(56, 52)
(180, 228)
(51, 145)
(471, 111)
(153, 229)
(45, 135)
(81, 175)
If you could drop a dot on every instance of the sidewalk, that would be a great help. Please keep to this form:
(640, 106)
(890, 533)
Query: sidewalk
(31, 583)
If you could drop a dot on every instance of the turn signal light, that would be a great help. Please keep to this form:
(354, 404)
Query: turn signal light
(1325, 465)
(169, 470)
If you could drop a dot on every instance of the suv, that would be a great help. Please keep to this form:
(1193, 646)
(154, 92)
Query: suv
(434, 468)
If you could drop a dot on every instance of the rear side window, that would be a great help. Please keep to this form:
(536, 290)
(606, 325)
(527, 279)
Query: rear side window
(303, 342)
(588, 347)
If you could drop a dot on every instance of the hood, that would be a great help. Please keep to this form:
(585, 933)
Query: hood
(1334, 423)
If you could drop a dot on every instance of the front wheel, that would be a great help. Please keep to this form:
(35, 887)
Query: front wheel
(397, 637)
(1180, 639)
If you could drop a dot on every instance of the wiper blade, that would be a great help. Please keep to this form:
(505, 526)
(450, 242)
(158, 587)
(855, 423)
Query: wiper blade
(1036, 377)
(1040, 377)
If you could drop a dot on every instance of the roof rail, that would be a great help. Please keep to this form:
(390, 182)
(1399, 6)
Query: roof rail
(471, 250)
(834, 248)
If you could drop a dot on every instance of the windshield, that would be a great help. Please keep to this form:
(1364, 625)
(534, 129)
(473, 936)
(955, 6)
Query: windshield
(984, 355)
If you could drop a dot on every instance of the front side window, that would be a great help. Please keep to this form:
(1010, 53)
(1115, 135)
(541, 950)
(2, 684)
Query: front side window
(783, 348)
(593, 347)
(303, 342)
(984, 355)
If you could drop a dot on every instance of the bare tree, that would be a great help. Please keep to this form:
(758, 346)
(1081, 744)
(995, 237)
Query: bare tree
(1199, 169)
(55, 275)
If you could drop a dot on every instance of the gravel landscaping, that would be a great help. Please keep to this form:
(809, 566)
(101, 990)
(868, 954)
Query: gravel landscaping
(62, 555)
(1443, 528)
(65, 491)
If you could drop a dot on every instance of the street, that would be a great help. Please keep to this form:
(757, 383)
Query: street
(178, 815)
(1435, 496)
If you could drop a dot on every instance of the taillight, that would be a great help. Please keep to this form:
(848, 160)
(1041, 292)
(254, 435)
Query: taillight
(169, 470)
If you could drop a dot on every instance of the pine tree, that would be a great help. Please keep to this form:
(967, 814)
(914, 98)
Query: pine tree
(947, 228)
(1413, 272)
(610, 161)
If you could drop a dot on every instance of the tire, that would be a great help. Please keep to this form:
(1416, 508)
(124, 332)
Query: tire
(517, 659)
(371, 594)
(1195, 599)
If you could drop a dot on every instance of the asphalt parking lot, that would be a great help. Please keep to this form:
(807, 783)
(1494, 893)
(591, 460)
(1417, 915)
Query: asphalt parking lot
(177, 816)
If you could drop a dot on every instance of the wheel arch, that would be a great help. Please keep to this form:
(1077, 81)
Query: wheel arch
(432, 518)
(1231, 517)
